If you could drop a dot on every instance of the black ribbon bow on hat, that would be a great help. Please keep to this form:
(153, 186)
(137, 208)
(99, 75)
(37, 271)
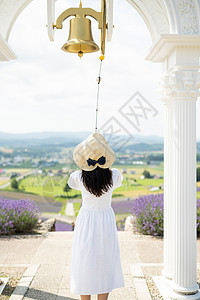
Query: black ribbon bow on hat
(93, 162)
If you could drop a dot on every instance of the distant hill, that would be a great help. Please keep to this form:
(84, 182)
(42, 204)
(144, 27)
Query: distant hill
(142, 147)
(68, 136)
(43, 135)
(71, 139)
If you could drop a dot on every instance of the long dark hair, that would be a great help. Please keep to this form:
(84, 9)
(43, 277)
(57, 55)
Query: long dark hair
(97, 181)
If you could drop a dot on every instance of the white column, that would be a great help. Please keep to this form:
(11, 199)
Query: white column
(168, 205)
(185, 90)
(184, 197)
(180, 55)
(168, 163)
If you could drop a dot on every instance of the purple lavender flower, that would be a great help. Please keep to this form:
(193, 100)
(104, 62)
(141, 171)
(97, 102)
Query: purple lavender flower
(148, 210)
(17, 216)
(198, 215)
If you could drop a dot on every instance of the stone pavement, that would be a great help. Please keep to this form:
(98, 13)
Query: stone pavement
(47, 258)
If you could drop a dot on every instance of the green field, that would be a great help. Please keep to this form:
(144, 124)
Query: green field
(52, 186)
(133, 185)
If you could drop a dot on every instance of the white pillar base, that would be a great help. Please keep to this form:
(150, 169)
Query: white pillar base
(168, 276)
(190, 290)
(165, 289)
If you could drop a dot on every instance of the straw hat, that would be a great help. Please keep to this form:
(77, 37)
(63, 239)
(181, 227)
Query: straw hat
(92, 152)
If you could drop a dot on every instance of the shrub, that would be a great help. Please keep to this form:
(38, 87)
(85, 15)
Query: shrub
(198, 215)
(14, 184)
(17, 216)
(148, 210)
(66, 188)
(146, 174)
(198, 174)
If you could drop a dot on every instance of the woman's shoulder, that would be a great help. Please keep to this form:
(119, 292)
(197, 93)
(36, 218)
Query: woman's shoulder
(74, 179)
(76, 173)
(115, 171)
(117, 177)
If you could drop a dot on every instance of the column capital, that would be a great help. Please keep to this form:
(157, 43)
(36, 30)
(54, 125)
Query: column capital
(178, 84)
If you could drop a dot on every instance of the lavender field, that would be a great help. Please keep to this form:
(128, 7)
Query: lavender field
(20, 216)
(123, 206)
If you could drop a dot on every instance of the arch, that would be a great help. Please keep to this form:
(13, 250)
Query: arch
(153, 13)
(9, 12)
(184, 16)
(160, 16)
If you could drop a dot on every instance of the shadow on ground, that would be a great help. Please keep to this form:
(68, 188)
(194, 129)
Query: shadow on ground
(38, 294)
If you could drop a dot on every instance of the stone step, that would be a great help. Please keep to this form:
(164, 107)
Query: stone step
(52, 278)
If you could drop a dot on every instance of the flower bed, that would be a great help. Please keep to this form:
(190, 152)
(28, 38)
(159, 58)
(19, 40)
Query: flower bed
(148, 212)
(198, 216)
(17, 216)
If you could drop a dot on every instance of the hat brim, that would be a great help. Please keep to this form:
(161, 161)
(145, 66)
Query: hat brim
(93, 147)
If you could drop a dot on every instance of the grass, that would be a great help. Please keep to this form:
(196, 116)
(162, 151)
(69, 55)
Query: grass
(53, 186)
(77, 206)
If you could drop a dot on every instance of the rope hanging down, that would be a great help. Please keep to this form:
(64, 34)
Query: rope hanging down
(98, 81)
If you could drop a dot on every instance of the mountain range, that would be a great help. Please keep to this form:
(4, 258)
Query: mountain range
(69, 135)
(71, 139)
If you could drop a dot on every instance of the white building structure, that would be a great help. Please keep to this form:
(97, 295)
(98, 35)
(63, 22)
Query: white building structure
(174, 26)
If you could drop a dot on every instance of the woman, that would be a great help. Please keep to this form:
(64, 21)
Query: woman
(95, 258)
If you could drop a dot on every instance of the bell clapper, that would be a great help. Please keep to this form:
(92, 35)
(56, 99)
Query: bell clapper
(80, 54)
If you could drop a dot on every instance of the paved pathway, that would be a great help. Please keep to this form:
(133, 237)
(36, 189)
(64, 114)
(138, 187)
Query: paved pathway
(48, 257)
(69, 211)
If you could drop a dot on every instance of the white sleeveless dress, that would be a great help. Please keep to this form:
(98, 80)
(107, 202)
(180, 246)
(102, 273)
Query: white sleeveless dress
(95, 266)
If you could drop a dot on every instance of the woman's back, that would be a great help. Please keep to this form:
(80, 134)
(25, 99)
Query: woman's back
(89, 200)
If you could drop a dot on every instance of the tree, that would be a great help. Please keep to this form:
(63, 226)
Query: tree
(14, 184)
(66, 188)
(198, 174)
(146, 174)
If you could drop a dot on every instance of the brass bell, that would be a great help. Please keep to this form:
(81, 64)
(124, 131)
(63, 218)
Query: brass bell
(80, 38)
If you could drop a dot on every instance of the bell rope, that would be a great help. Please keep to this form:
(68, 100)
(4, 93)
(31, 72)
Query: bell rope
(98, 82)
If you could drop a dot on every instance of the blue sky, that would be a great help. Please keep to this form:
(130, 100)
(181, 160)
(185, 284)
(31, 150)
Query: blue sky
(46, 89)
